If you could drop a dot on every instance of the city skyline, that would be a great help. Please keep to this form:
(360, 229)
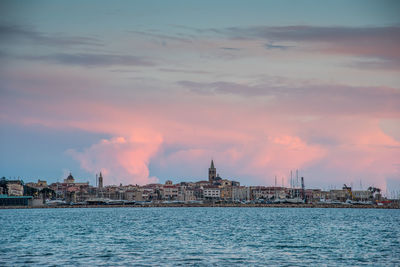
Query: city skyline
(152, 91)
(294, 180)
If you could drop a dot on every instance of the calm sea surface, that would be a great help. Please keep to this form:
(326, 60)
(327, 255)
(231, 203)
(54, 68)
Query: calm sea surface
(200, 236)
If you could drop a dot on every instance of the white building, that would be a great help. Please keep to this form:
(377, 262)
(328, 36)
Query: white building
(211, 192)
(170, 192)
(240, 193)
(362, 194)
(15, 188)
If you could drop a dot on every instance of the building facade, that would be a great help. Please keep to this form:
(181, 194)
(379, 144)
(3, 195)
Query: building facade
(212, 192)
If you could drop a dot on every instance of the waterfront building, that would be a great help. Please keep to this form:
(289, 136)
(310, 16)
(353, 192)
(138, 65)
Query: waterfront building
(362, 195)
(147, 193)
(234, 183)
(325, 195)
(226, 192)
(134, 195)
(189, 194)
(169, 191)
(40, 185)
(70, 190)
(339, 195)
(186, 192)
(225, 183)
(188, 184)
(268, 192)
(212, 192)
(202, 183)
(113, 192)
(313, 195)
(240, 193)
(70, 179)
(260, 192)
(215, 188)
(227, 189)
(198, 193)
(151, 192)
(15, 188)
(316, 194)
(294, 192)
(217, 180)
(15, 200)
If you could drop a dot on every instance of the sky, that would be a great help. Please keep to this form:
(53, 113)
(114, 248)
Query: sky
(149, 91)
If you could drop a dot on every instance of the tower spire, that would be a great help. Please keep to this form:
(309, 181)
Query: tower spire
(100, 184)
(212, 173)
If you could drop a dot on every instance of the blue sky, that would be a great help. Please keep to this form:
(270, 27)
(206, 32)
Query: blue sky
(56, 15)
(147, 91)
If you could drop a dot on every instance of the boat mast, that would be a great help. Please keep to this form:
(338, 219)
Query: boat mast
(291, 184)
(297, 182)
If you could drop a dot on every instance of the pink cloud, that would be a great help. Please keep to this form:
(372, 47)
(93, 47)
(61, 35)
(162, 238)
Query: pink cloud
(331, 133)
(249, 146)
(122, 160)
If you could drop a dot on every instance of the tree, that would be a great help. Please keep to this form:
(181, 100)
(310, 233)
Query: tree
(30, 191)
(3, 184)
(48, 193)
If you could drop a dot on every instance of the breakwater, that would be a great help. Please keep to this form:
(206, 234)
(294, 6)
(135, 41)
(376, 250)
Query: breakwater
(161, 205)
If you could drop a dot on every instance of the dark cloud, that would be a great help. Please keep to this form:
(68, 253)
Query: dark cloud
(313, 138)
(224, 88)
(380, 43)
(124, 71)
(162, 36)
(15, 34)
(385, 64)
(281, 47)
(230, 48)
(184, 71)
(310, 99)
(314, 34)
(92, 60)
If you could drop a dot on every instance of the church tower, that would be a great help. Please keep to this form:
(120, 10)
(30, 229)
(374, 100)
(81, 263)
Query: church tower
(100, 185)
(212, 172)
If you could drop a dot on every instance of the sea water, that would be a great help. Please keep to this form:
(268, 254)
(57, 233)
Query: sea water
(199, 236)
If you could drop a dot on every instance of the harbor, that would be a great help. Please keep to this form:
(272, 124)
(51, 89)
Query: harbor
(214, 192)
(392, 205)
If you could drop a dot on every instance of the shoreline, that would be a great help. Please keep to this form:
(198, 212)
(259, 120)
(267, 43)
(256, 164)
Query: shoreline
(344, 206)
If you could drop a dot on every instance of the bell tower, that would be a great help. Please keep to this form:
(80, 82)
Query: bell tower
(100, 185)
(212, 172)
